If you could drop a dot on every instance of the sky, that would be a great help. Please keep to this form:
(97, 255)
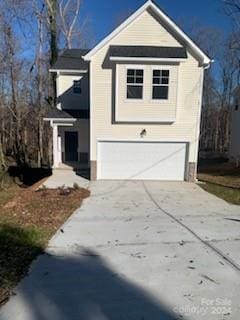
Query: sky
(103, 15)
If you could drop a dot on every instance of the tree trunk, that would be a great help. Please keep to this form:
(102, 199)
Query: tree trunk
(52, 14)
(2, 158)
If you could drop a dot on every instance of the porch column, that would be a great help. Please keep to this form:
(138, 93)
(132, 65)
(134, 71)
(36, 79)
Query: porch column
(55, 146)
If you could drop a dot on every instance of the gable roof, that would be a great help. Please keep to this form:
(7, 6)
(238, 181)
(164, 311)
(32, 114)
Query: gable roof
(71, 59)
(203, 58)
(147, 52)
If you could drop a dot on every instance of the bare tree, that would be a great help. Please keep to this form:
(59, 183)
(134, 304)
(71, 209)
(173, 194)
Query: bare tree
(219, 83)
(40, 79)
(69, 11)
(232, 9)
(26, 86)
(52, 21)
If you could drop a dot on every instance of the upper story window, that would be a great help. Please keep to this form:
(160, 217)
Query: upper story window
(77, 87)
(160, 83)
(135, 83)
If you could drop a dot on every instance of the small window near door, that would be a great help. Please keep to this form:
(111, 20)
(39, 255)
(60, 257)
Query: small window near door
(77, 88)
(160, 84)
(135, 83)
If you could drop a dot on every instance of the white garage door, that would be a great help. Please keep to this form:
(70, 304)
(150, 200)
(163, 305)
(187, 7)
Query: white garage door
(141, 160)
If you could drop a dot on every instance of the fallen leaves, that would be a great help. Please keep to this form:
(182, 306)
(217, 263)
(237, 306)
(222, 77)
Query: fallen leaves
(28, 219)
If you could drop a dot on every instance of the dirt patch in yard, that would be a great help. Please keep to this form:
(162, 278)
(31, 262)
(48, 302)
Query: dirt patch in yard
(225, 174)
(28, 219)
(225, 181)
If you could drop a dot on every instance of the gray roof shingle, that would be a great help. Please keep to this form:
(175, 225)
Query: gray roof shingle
(55, 113)
(71, 59)
(147, 52)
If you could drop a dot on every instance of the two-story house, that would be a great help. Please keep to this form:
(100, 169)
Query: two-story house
(131, 106)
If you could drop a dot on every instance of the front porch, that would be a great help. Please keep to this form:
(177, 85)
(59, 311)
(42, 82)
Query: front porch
(70, 142)
(70, 153)
(71, 145)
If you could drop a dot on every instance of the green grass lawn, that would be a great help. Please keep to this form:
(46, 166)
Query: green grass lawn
(221, 179)
(228, 194)
(19, 247)
(225, 174)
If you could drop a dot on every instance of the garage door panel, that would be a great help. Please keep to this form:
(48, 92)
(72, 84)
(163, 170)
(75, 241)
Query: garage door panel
(141, 160)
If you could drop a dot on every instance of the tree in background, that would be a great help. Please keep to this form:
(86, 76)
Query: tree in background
(219, 83)
(32, 31)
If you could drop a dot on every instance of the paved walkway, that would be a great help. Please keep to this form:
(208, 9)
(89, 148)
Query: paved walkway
(67, 178)
(138, 251)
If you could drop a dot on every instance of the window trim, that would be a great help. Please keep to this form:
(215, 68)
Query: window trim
(159, 68)
(133, 67)
(121, 103)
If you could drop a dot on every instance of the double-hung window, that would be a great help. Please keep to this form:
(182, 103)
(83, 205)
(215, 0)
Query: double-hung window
(160, 84)
(135, 83)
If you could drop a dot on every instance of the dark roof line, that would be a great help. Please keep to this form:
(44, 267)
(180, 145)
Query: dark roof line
(148, 52)
(67, 114)
(71, 59)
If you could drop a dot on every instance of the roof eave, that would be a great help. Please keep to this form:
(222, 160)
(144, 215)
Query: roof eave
(147, 59)
(199, 52)
(203, 58)
(125, 23)
(69, 71)
(60, 119)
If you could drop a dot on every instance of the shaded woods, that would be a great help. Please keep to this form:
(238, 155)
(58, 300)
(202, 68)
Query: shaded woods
(33, 32)
(219, 83)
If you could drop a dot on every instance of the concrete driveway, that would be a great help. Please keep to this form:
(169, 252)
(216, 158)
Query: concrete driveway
(138, 251)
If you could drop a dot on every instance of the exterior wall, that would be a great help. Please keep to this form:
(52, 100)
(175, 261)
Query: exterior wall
(234, 152)
(82, 127)
(146, 30)
(69, 100)
(145, 109)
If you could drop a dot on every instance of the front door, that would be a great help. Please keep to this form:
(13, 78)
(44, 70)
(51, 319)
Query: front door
(71, 146)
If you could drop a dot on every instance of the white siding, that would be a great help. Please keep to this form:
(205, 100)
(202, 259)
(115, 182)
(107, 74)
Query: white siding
(67, 98)
(146, 109)
(146, 31)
